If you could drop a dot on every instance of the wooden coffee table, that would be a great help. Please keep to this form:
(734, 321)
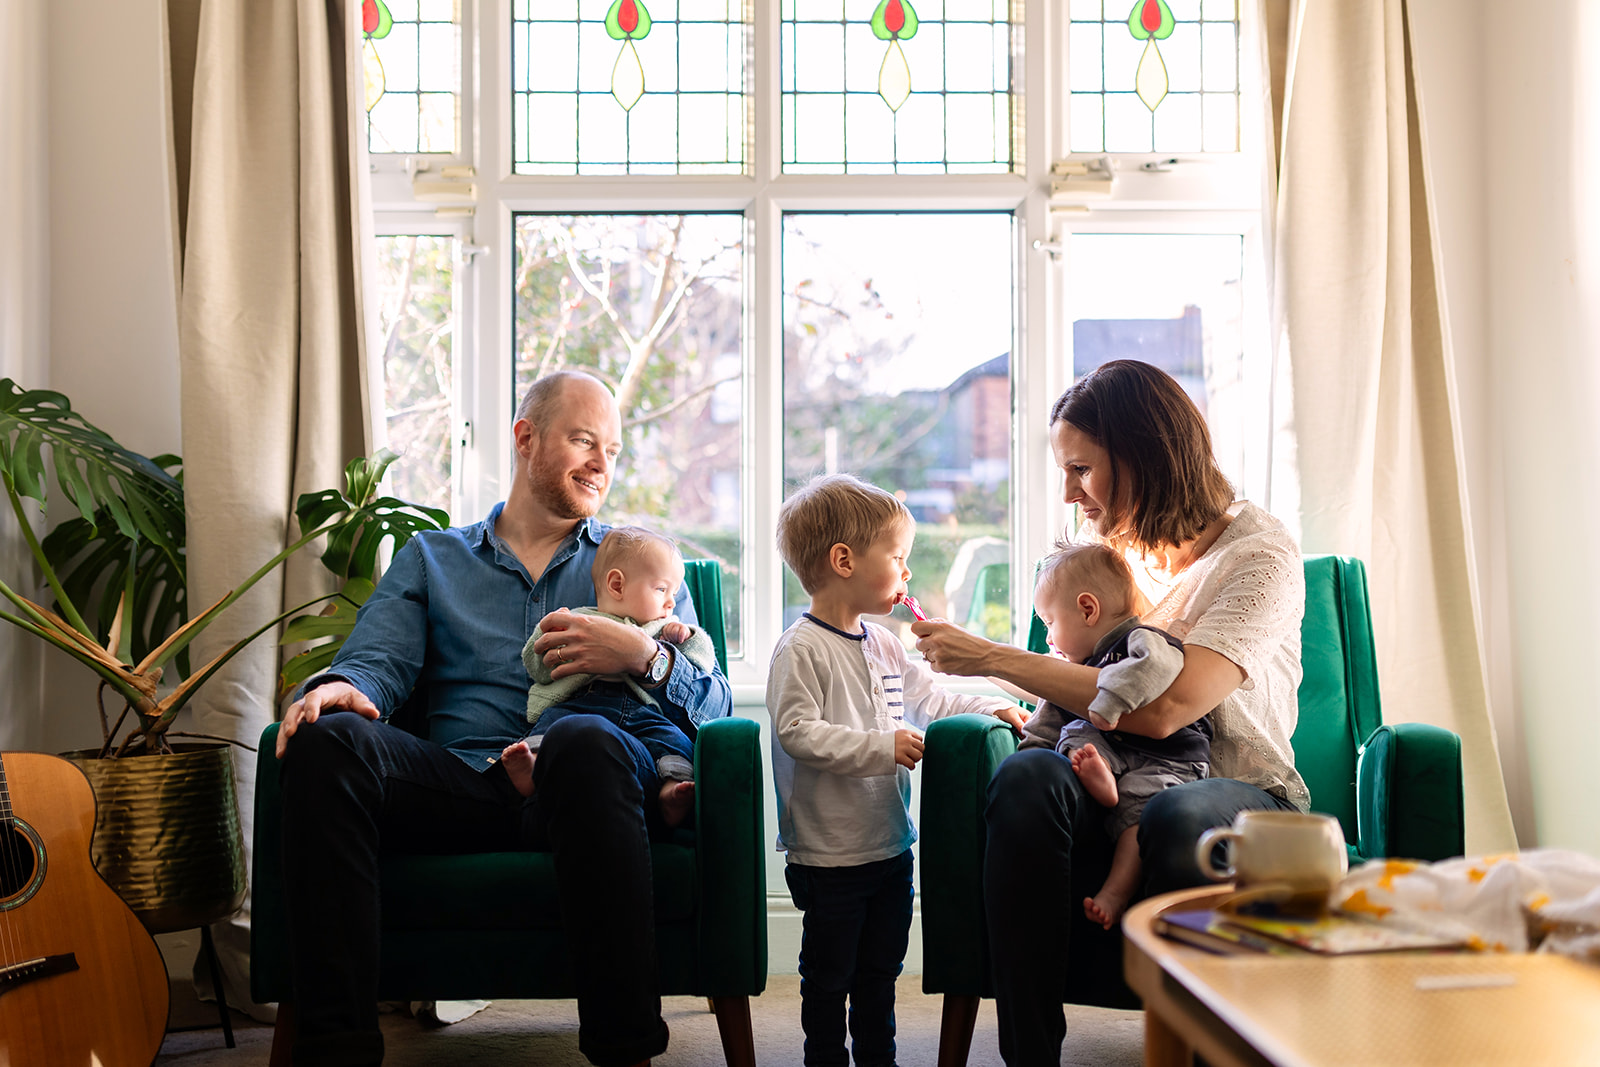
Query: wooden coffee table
(1355, 1011)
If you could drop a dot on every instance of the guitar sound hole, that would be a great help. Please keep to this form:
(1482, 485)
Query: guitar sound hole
(17, 861)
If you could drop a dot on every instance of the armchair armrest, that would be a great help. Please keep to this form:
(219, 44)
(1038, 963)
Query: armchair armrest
(961, 754)
(1408, 794)
(729, 858)
(269, 926)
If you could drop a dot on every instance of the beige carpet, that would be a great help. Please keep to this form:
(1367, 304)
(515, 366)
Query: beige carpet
(545, 1033)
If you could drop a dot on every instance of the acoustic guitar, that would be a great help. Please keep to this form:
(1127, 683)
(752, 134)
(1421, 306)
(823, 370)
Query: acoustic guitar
(81, 981)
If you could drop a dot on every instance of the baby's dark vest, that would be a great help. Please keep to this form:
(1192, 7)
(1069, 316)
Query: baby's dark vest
(1191, 744)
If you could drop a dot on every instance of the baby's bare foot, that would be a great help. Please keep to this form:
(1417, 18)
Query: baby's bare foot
(1095, 774)
(677, 802)
(1105, 907)
(518, 759)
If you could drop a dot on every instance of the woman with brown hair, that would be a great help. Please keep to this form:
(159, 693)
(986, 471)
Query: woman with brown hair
(1221, 575)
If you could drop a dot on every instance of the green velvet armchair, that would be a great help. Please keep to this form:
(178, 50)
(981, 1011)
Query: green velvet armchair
(1396, 790)
(468, 927)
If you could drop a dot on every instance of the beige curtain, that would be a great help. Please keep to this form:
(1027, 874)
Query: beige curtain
(1361, 334)
(268, 173)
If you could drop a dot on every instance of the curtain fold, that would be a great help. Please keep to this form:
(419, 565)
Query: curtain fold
(1362, 333)
(271, 335)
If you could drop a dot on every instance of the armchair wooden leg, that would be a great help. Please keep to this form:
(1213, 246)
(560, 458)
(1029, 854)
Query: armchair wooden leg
(733, 1024)
(283, 1036)
(955, 1029)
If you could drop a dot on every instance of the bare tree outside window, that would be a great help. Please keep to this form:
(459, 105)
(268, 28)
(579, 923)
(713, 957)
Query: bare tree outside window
(416, 285)
(652, 304)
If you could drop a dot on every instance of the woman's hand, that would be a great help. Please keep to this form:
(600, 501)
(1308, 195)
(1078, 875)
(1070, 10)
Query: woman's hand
(951, 650)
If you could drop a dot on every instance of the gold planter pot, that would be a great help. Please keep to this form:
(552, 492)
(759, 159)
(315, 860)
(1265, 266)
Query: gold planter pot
(166, 833)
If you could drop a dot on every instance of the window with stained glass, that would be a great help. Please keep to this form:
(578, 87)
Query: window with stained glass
(411, 62)
(1159, 76)
(899, 86)
(629, 86)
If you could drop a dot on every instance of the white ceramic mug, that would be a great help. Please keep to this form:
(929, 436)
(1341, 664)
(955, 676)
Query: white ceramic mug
(1304, 852)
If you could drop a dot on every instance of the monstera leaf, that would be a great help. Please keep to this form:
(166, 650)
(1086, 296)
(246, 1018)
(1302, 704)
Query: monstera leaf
(98, 566)
(101, 478)
(357, 525)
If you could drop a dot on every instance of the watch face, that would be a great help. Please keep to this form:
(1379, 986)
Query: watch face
(658, 666)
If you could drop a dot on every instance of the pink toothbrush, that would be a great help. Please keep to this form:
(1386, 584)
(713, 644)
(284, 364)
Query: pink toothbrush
(911, 603)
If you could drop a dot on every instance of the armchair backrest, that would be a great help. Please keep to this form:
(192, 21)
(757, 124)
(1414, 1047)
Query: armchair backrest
(704, 579)
(1339, 706)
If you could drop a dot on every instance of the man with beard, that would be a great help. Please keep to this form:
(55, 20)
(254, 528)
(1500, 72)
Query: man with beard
(446, 626)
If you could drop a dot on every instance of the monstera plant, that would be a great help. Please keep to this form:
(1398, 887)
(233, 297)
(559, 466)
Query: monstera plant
(116, 574)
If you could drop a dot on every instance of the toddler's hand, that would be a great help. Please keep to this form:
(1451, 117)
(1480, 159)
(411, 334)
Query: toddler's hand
(675, 632)
(1011, 715)
(907, 748)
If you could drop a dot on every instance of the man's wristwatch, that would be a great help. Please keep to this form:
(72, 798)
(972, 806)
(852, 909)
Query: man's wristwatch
(660, 666)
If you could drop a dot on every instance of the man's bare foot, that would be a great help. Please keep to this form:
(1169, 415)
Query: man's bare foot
(518, 759)
(677, 802)
(1095, 774)
(1105, 907)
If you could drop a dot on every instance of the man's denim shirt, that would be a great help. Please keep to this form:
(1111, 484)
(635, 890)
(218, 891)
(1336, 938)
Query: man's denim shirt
(449, 618)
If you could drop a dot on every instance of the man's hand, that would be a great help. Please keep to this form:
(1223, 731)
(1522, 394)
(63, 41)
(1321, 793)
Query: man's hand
(1011, 715)
(951, 650)
(589, 644)
(675, 632)
(907, 748)
(335, 696)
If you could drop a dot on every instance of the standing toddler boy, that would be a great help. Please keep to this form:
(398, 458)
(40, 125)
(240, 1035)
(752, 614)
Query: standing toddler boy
(840, 691)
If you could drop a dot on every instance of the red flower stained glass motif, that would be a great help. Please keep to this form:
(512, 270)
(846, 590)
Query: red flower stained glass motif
(1151, 21)
(894, 21)
(376, 22)
(628, 21)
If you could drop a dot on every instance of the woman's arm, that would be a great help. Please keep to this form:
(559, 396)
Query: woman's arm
(952, 650)
(1206, 678)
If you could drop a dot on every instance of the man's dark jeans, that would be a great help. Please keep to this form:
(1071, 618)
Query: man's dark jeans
(353, 788)
(1047, 843)
(857, 926)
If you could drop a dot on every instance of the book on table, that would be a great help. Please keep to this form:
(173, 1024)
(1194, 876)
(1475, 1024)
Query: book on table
(1332, 934)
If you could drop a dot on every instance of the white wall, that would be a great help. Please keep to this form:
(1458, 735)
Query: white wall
(1542, 117)
(111, 279)
(24, 323)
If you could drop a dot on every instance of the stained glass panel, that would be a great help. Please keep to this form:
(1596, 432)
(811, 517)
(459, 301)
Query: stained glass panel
(411, 64)
(1154, 76)
(628, 86)
(898, 86)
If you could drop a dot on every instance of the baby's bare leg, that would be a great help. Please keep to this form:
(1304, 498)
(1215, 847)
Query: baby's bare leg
(518, 759)
(1095, 774)
(1107, 906)
(677, 802)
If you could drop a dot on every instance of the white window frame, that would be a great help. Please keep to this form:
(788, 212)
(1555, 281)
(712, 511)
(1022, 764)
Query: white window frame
(1201, 194)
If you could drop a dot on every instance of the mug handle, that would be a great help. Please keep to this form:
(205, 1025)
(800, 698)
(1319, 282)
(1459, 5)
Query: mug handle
(1205, 846)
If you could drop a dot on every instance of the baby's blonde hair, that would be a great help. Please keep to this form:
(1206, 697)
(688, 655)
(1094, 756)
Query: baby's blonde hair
(1093, 568)
(829, 510)
(623, 545)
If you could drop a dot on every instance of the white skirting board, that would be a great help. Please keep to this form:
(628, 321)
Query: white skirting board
(783, 936)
